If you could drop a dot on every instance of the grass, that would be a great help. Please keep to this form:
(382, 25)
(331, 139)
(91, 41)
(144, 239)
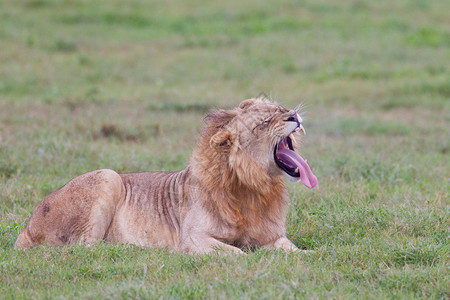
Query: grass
(124, 85)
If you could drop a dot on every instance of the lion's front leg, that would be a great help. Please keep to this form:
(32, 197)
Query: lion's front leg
(285, 244)
(199, 232)
(202, 244)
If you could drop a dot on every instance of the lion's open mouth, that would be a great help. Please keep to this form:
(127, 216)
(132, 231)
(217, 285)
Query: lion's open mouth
(292, 163)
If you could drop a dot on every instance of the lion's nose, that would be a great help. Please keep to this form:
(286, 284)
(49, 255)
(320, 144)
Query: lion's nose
(294, 118)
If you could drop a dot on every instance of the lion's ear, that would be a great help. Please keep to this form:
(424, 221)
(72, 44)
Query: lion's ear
(247, 103)
(222, 140)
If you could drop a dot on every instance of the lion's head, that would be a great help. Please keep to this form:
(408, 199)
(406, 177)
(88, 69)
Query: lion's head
(252, 145)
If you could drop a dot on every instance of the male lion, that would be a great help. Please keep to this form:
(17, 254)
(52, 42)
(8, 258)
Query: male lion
(230, 197)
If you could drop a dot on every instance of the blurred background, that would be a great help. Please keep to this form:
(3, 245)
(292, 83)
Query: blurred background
(125, 84)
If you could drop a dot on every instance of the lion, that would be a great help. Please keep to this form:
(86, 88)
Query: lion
(230, 197)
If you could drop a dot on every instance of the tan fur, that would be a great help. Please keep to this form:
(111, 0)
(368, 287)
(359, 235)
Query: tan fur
(231, 196)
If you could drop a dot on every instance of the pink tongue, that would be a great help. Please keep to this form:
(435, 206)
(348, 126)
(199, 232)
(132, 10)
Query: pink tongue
(293, 160)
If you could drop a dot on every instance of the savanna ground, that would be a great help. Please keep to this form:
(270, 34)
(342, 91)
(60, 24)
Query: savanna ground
(124, 85)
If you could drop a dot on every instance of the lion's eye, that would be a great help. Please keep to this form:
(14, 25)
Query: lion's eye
(263, 124)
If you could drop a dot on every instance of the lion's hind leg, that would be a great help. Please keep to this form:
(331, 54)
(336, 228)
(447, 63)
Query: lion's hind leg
(23, 240)
(79, 212)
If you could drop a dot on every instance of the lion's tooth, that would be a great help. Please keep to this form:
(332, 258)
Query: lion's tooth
(302, 129)
(296, 170)
(292, 137)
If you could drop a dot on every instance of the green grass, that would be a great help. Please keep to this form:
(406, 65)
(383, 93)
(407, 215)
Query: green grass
(124, 85)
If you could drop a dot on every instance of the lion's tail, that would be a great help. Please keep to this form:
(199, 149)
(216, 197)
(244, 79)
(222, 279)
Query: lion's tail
(23, 240)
